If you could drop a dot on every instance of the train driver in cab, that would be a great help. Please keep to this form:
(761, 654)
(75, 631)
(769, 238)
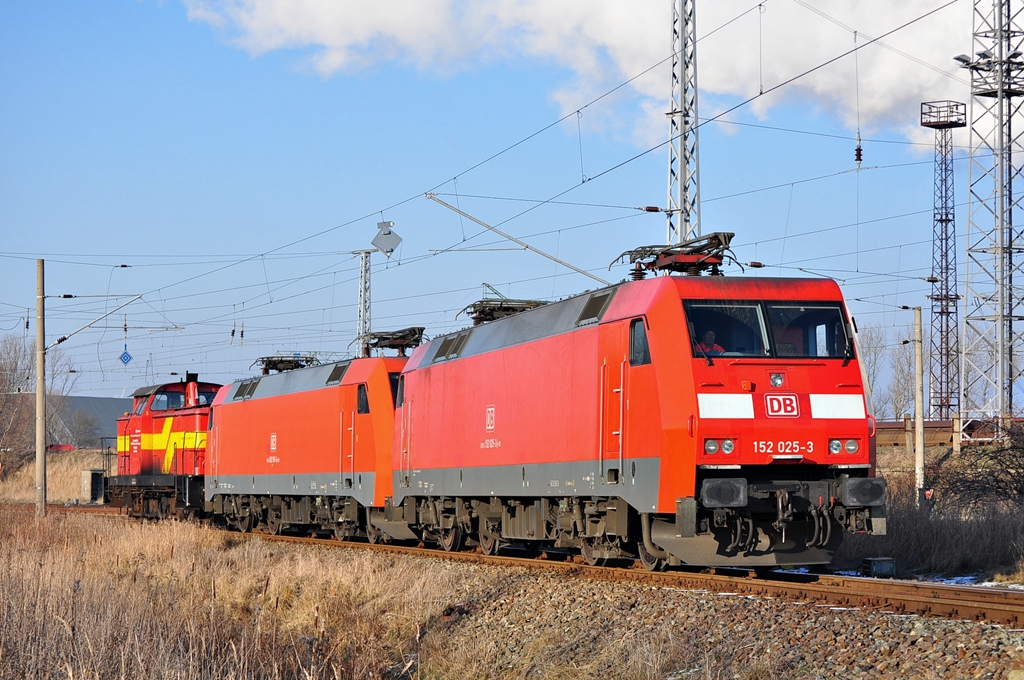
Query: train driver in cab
(707, 346)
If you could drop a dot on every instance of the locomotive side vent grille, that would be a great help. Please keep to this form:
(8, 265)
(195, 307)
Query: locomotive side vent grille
(460, 342)
(337, 374)
(442, 349)
(451, 347)
(593, 309)
(246, 389)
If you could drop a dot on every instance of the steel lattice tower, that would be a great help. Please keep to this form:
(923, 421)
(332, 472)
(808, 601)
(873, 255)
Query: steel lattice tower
(993, 301)
(944, 117)
(683, 172)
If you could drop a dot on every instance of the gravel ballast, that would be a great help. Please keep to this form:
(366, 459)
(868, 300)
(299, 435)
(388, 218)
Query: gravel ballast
(529, 623)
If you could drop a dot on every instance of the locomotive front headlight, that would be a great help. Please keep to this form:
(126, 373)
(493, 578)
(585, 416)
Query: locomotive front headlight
(776, 379)
(852, 446)
(835, 446)
(711, 446)
(727, 446)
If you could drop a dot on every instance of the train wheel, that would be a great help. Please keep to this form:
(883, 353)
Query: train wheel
(488, 541)
(451, 539)
(373, 534)
(244, 523)
(647, 560)
(273, 521)
(588, 550)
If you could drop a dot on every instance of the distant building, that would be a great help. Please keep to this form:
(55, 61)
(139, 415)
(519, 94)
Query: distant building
(85, 420)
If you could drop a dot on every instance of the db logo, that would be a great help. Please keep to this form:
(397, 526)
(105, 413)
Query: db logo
(782, 405)
(489, 419)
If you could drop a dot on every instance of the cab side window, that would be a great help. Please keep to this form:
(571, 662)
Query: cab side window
(639, 352)
(164, 401)
(363, 401)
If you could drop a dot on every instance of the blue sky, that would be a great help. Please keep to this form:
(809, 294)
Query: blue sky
(233, 154)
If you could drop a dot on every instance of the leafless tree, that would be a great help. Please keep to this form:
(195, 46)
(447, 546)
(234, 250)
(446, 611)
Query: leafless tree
(871, 343)
(84, 429)
(17, 410)
(899, 394)
(17, 401)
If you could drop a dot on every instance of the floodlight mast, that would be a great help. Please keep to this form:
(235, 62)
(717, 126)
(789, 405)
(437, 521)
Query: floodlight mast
(944, 117)
(994, 307)
(683, 210)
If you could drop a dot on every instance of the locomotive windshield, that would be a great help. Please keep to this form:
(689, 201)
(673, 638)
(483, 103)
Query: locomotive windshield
(815, 329)
(767, 329)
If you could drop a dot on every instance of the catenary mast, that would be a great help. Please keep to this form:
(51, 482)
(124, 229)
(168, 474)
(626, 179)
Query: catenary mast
(683, 170)
(994, 298)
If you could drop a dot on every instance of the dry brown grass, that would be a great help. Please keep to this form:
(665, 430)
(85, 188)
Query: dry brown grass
(63, 477)
(87, 598)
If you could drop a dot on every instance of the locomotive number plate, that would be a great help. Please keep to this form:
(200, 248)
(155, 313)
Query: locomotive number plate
(783, 446)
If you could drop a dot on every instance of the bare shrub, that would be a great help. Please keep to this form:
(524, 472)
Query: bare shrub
(943, 541)
(984, 476)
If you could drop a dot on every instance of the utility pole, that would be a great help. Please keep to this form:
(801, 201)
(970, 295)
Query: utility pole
(40, 394)
(683, 210)
(918, 404)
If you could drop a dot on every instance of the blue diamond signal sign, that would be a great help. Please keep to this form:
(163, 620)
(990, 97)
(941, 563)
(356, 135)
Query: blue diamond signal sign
(125, 358)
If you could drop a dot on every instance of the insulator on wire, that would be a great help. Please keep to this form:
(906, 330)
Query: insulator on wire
(858, 154)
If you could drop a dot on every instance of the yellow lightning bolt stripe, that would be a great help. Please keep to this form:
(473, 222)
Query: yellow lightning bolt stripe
(166, 441)
(168, 444)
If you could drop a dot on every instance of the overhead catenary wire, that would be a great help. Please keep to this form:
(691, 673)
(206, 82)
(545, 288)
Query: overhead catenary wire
(264, 255)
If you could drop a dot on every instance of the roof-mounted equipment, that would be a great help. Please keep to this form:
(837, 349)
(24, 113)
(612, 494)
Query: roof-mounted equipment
(692, 257)
(402, 340)
(285, 362)
(490, 309)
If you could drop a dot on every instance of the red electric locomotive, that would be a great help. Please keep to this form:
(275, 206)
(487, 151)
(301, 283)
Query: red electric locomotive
(161, 450)
(307, 449)
(678, 420)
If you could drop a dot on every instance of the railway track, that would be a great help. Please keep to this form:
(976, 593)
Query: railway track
(1003, 606)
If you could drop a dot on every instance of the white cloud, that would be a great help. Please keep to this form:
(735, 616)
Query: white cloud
(605, 42)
